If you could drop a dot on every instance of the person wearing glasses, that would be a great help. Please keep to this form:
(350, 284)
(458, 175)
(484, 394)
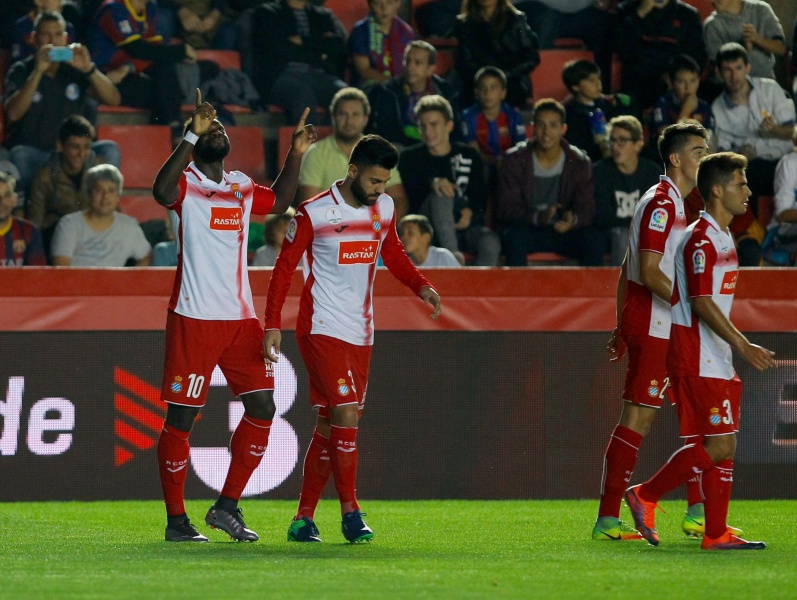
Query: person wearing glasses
(620, 181)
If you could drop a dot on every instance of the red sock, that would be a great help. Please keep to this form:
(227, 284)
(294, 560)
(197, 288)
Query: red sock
(618, 466)
(247, 446)
(343, 448)
(173, 454)
(317, 469)
(717, 483)
(694, 493)
(687, 462)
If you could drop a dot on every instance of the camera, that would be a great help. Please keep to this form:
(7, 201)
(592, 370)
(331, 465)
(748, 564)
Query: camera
(61, 54)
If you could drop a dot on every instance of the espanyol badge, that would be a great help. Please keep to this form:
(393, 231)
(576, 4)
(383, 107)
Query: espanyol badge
(653, 390)
(235, 191)
(343, 389)
(714, 418)
(72, 92)
(177, 385)
(377, 224)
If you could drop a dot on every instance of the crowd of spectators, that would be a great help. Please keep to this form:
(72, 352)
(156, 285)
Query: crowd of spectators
(490, 172)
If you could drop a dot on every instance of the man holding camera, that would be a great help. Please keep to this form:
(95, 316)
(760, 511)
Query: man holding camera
(44, 89)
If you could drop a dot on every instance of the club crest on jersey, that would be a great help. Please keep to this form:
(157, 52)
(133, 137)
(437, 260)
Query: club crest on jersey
(19, 246)
(699, 262)
(362, 252)
(658, 220)
(715, 418)
(291, 233)
(377, 224)
(334, 216)
(225, 219)
(237, 192)
(343, 389)
(177, 384)
(729, 282)
(653, 390)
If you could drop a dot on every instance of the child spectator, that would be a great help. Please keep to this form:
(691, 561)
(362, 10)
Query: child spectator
(491, 125)
(588, 108)
(274, 234)
(377, 43)
(416, 234)
(680, 103)
(20, 240)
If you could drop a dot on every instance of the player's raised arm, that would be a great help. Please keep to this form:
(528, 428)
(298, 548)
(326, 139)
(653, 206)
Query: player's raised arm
(164, 188)
(288, 179)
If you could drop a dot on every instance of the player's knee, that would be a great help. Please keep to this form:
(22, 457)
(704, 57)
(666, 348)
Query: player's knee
(721, 447)
(260, 405)
(181, 417)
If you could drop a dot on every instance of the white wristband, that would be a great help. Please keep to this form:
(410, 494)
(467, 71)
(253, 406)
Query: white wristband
(191, 138)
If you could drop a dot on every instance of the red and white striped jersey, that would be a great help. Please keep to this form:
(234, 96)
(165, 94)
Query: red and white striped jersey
(705, 265)
(341, 246)
(211, 281)
(657, 226)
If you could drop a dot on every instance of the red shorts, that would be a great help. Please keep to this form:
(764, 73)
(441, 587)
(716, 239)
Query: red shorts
(646, 380)
(338, 371)
(193, 349)
(707, 406)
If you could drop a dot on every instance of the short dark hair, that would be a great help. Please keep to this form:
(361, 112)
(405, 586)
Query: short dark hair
(422, 221)
(425, 46)
(47, 16)
(718, 169)
(576, 70)
(374, 151)
(730, 52)
(676, 136)
(75, 126)
(551, 105)
(434, 102)
(489, 71)
(682, 62)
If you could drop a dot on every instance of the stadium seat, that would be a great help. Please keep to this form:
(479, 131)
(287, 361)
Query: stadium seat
(446, 60)
(247, 153)
(704, 7)
(546, 79)
(143, 208)
(285, 137)
(348, 11)
(766, 210)
(144, 150)
(542, 259)
(226, 59)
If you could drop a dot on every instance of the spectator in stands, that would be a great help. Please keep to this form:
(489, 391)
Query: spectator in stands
(203, 24)
(377, 43)
(649, 33)
(41, 93)
(493, 32)
(326, 159)
(57, 187)
(99, 236)
(416, 233)
(794, 57)
(620, 181)
(491, 125)
(588, 20)
(126, 46)
(754, 117)
(782, 249)
(545, 200)
(275, 231)
(588, 109)
(445, 181)
(24, 41)
(299, 54)
(680, 103)
(751, 23)
(393, 101)
(20, 240)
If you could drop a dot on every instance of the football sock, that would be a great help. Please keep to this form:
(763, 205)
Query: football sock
(717, 483)
(694, 493)
(684, 464)
(618, 466)
(173, 453)
(317, 469)
(343, 448)
(247, 446)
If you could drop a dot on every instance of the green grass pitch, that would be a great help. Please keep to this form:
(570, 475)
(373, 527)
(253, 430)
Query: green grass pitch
(422, 549)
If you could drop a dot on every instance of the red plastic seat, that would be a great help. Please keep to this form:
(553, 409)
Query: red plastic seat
(247, 152)
(348, 11)
(144, 150)
(546, 79)
(226, 59)
(143, 208)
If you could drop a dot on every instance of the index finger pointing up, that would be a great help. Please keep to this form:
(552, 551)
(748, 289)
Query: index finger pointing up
(303, 119)
(198, 98)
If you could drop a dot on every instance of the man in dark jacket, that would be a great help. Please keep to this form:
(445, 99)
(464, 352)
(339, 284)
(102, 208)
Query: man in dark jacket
(545, 197)
(298, 56)
(393, 102)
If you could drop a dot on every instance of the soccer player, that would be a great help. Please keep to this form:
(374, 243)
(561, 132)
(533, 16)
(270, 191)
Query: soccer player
(211, 319)
(341, 233)
(704, 385)
(643, 322)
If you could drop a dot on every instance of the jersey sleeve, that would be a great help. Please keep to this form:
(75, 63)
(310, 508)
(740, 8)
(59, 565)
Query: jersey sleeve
(297, 240)
(114, 22)
(658, 217)
(263, 199)
(399, 264)
(699, 259)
